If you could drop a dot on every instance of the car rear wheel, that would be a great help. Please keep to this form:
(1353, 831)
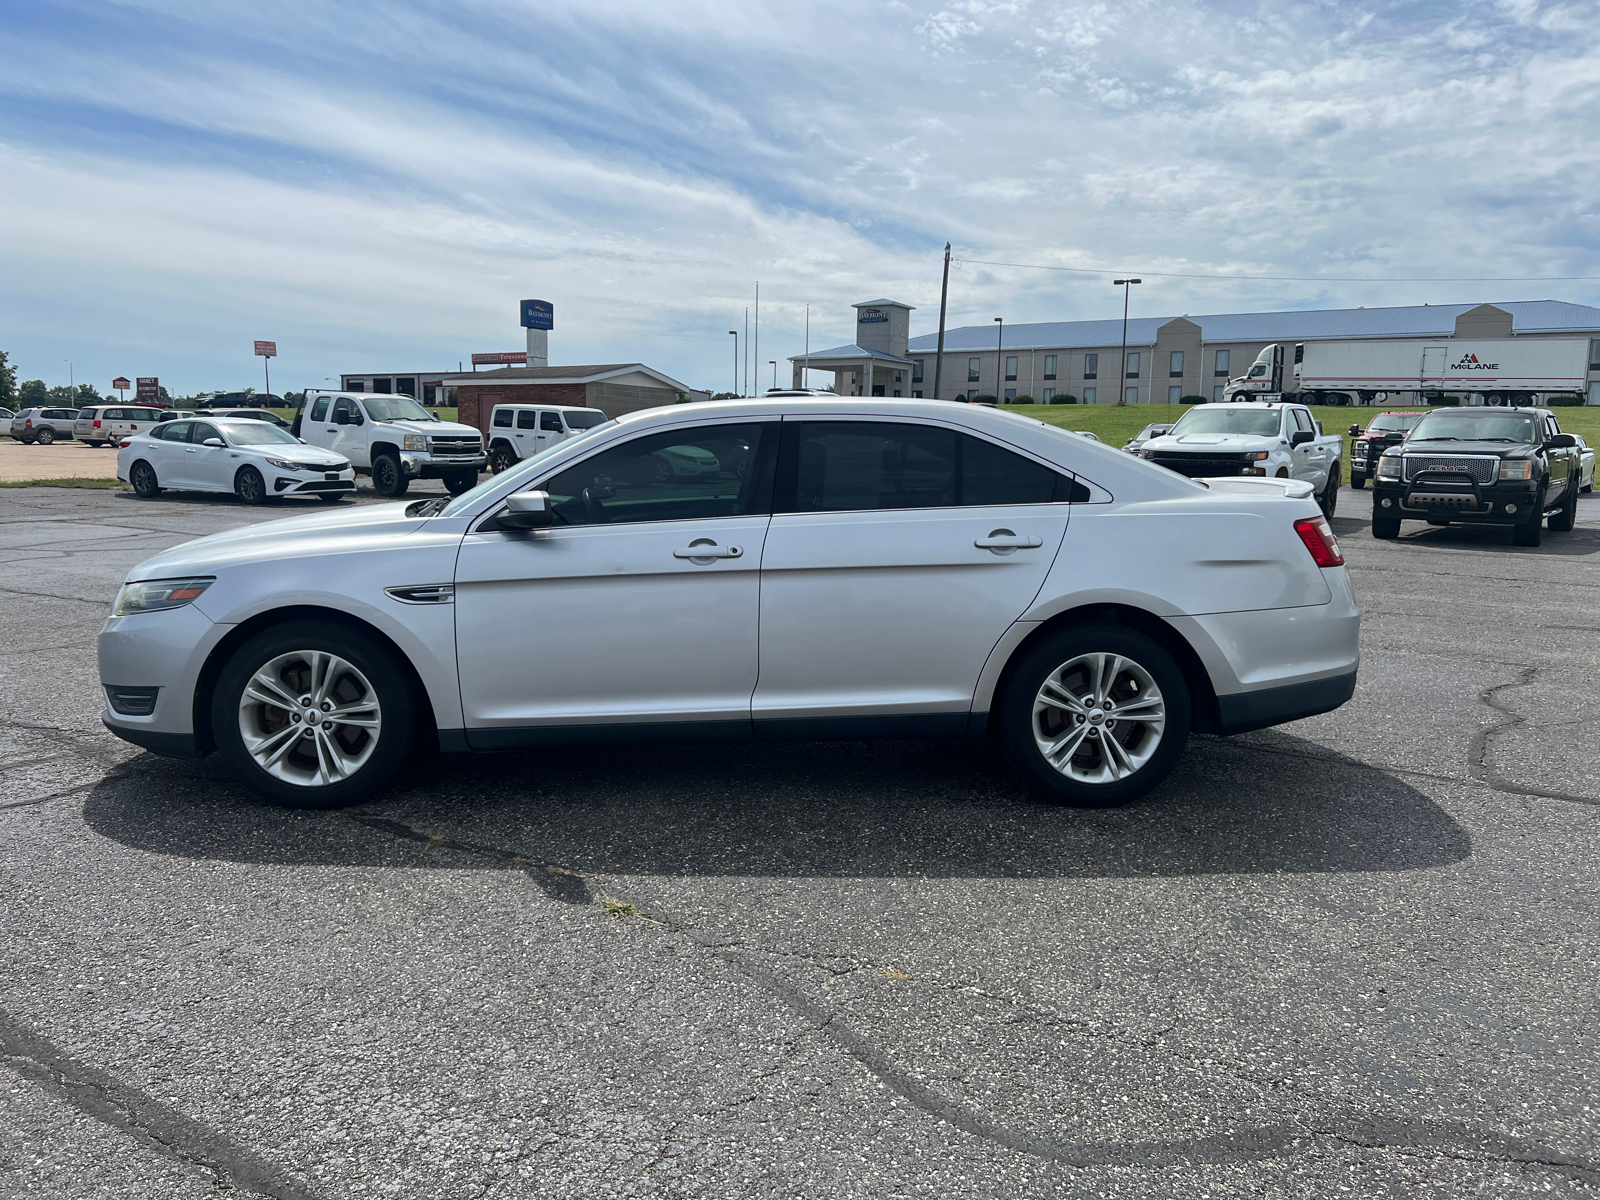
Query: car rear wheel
(387, 477)
(1095, 716)
(45, 436)
(143, 477)
(249, 486)
(1385, 528)
(312, 714)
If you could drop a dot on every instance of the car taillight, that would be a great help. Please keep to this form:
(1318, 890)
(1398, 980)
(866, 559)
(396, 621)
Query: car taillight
(97, 424)
(124, 443)
(28, 424)
(1317, 534)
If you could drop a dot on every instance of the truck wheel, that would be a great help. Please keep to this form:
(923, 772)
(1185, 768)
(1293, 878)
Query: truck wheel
(143, 477)
(1329, 500)
(1283, 472)
(1357, 480)
(249, 486)
(1531, 532)
(387, 477)
(1095, 716)
(45, 436)
(1565, 517)
(456, 482)
(312, 714)
(501, 459)
(1385, 528)
(1240, 398)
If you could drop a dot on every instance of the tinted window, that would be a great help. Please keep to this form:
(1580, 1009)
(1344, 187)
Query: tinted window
(525, 418)
(990, 475)
(199, 431)
(346, 405)
(172, 431)
(854, 465)
(502, 418)
(676, 476)
(550, 422)
(86, 414)
(319, 410)
(585, 420)
(145, 414)
(1302, 419)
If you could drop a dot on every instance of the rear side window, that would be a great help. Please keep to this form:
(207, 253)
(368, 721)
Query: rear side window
(550, 422)
(862, 466)
(86, 414)
(502, 418)
(526, 418)
(145, 414)
(319, 410)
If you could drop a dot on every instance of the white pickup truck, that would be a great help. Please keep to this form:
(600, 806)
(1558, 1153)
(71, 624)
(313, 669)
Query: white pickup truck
(392, 438)
(1282, 441)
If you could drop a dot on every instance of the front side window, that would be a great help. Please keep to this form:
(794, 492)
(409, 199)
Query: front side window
(1011, 366)
(200, 433)
(1133, 365)
(550, 422)
(397, 408)
(319, 410)
(1175, 364)
(973, 367)
(1091, 366)
(679, 475)
(347, 408)
(1222, 363)
(587, 419)
(1049, 366)
(502, 418)
(1302, 419)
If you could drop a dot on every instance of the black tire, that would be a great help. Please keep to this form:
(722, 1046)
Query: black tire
(1329, 500)
(143, 477)
(96, 445)
(45, 436)
(1062, 656)
(456, 482)
(1385, 528)
(1565, 517)
(501, 459)
(330, 497)
(1241, 397)
(1357, 480)
(1530, 532)
(249, 486)
(375, 675)
(387, 477)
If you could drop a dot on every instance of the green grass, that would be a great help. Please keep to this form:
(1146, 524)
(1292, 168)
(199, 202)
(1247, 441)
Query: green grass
(67, 483)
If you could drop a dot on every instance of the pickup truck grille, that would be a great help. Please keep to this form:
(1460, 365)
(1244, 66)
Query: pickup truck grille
(465, 445)
(1202, 466)
(1480, 468)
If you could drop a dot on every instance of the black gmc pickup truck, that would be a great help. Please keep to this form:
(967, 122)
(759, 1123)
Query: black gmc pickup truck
(1495, 466)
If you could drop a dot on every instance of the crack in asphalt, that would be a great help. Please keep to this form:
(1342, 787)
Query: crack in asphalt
(1414, 1136)
(155, 1126)
(1478, 754)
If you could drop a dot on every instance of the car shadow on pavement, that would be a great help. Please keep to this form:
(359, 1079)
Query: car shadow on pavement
(888, 809)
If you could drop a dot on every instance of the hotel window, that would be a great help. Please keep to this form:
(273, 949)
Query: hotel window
(1049, 366)
(897, 376)
(1011, 366)
(1049, 395)
(1011, 394)
(1088, 395)
(1130, 395)
(1175, 365)
(916, 371)
(1133, 365)
(916, 393)
(1173, 393)
(1222, 363)
(1091, 366)
(1216, 394)
(972, 394)
(973, 365)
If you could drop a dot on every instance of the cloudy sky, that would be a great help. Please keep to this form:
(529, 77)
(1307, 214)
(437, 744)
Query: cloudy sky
(375, 186)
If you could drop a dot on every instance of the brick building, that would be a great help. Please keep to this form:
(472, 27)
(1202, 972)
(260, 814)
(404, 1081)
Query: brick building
(614, 388)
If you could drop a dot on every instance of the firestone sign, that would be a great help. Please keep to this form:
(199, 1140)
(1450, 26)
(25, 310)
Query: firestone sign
(500, 356)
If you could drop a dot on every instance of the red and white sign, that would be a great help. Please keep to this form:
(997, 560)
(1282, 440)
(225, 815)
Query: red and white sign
(120, 384)
(149, 388)
(500, 356)
(267, 349)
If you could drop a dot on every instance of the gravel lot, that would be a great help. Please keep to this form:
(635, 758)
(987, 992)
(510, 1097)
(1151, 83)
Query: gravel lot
(1356, 955)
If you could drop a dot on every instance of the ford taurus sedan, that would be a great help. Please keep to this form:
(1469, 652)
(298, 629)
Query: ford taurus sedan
(850, 568)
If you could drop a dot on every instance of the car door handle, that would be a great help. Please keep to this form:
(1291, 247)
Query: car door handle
(1004, 539)
(705, 550)
(191, 449)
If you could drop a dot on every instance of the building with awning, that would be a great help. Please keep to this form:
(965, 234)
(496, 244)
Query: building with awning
(876, 363)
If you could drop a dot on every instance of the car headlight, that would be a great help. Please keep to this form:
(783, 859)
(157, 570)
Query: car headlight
(1258, 455)
(285, 464)
(153, 595)
(1517, 469)
(1389, 467)
(416, 441)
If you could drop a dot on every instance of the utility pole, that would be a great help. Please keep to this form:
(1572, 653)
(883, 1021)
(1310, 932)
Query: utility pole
(744, 388)
(756, 347)
(805, 371)
(774, 364)
(944, 295)
(1122, 381)
(1000, 363)
(735, 333)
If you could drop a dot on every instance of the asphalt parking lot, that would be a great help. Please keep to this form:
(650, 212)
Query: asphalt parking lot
(1355, 955)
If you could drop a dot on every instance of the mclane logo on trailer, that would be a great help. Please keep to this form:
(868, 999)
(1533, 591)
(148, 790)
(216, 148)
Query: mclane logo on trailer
(1469, 362)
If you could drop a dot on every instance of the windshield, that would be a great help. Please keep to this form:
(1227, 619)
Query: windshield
(1258, 422)
(1394, 422)
(585, 420)
(1476, 427)
(523, 471)
(396, 408)
(258, 433)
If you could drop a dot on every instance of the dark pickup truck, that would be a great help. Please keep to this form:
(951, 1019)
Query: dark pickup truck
(1384, 430)
(1492, 466)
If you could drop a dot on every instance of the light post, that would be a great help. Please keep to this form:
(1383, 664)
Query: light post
(735, 334)
(1000, 362)
(774, 364)
(72, 386)
(1122, 381)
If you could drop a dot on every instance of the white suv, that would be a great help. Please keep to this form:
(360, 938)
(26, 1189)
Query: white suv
(392, 438)
(518, 431)
(896, 568)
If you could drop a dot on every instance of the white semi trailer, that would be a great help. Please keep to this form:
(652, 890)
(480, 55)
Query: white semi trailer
(1497, 370)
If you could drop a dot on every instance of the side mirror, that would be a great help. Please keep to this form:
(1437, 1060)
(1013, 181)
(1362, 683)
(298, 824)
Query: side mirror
(1161, 431)
(1561, 441)
(1300, 437)
(215, 443)
(341, 418)
(526, 510)
(1355, 431)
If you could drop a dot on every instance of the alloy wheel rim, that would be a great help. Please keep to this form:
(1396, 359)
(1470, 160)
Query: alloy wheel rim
(310, 718)
(1099, 718)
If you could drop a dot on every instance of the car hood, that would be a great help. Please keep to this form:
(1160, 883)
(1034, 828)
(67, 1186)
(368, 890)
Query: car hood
(311, 456)
(362, 528)
(450, 427)
(1210, 441)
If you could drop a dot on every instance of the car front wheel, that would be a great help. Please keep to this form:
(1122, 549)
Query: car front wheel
(249, 486)
(1095, 716)
(387, 477)
(312, 714)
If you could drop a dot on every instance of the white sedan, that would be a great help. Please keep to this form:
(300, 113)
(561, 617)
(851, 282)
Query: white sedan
(255, 460)
(1585, 465)
(901, 568)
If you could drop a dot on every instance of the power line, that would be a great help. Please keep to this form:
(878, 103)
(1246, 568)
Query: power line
(984, 262)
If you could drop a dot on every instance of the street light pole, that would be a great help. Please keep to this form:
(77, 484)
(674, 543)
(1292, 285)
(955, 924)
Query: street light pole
(72, 385)
(1122, 381)
(774, 363)
(735, 333)
(1000, 362)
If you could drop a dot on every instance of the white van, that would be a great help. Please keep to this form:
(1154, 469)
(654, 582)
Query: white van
(103, 424)
(518, 431)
